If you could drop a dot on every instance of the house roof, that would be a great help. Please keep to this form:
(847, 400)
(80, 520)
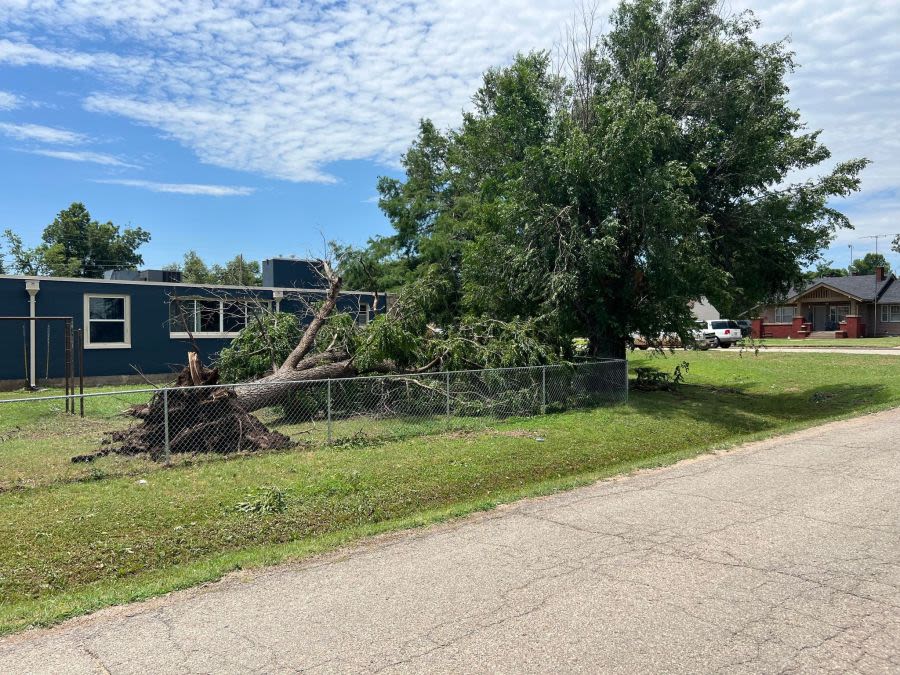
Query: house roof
(891, 293)
(863, 287)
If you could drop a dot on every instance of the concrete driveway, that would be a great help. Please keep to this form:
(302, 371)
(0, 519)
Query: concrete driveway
(782, 556)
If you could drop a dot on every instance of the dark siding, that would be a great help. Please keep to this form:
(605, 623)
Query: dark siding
(288, 273)
(152, 349)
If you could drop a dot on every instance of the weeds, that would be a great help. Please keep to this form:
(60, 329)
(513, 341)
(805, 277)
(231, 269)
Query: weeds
(263, 501)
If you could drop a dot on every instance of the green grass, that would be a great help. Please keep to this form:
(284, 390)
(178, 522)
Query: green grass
(70, 546)
(871, 343)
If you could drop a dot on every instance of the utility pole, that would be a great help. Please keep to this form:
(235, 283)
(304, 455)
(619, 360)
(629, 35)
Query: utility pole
(851, 259)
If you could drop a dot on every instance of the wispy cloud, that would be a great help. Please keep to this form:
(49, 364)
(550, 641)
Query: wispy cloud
(9, 101)
(184, 188)
(283, 90)
(287, 89)
(84, 156)
(42, 134)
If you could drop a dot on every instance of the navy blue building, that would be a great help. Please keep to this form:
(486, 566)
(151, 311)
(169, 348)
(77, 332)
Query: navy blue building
(144, 322)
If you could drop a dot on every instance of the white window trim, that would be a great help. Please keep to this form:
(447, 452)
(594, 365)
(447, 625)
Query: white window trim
(221, 333)
(886, 311)
(364, 315)
(87, 322)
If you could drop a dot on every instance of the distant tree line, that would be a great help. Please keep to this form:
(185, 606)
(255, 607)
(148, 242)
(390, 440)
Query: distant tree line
(860, 266)
(77, 245)
(236, 272)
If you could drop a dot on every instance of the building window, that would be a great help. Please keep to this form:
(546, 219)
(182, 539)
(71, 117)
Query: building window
(838, 313)
(784, 314)
(890, 313)
(202, 317)
(362, 316)
(107, 321)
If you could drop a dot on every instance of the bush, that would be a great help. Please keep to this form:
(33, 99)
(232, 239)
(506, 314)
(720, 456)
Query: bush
(266, 340)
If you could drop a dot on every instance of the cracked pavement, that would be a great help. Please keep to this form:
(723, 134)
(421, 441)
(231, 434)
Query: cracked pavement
(779, 556)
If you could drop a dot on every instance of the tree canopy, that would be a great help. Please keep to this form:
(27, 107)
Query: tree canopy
(236, 272)
(656, 166)
(76, 245)
(868, 263)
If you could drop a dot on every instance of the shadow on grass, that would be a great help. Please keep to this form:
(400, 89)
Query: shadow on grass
(740, 410)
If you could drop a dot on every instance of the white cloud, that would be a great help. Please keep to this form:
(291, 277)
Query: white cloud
(278, 90)
(9, 101)
(83, 156)
(185, 188)
(285, 90)
(42, 134)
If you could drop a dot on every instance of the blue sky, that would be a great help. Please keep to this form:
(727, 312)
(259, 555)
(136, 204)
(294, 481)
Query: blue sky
(261, 127)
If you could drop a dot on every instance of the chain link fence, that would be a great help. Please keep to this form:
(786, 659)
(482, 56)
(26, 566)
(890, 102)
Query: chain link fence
(342, 412)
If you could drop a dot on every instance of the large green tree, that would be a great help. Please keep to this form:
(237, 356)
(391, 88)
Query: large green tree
(76, 245)
(658, 168)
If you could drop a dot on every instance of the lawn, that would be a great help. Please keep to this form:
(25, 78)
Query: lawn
(880, 342)
(69, 545)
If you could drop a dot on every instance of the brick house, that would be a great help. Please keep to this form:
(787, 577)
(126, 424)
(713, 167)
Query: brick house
(835, 307)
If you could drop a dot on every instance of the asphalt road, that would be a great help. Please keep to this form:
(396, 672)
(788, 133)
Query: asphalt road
(782, 556)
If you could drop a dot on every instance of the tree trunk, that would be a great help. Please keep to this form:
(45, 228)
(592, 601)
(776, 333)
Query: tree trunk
(219, 419)
(607, 345)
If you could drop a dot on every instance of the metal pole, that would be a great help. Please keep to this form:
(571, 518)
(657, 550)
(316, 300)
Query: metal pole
(543, 390)
(168, 449)
(81, 368)
(47, 360)
(68, 360)
(448, 395)
(329, 412)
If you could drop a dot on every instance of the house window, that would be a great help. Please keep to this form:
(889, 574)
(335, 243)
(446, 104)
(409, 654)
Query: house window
(890, 313)
(202, 317)
(784, 314)
(838, 313)
(362, 317)
(107, 321)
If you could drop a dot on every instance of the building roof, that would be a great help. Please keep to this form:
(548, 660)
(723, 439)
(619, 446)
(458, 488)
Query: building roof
(891, 293)
(863, 287)
(179, 284)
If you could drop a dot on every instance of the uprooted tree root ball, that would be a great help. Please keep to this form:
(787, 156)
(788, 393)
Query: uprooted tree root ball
(201, 420)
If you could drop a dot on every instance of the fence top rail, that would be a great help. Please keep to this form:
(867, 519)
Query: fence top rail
(279, 383)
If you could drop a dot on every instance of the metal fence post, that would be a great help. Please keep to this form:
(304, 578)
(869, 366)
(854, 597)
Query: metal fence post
(168, 448)
(448, 395)
(329, 411)
(543, 390)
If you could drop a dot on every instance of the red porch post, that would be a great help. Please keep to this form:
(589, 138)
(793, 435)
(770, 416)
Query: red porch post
(756, 328)
(854, 326)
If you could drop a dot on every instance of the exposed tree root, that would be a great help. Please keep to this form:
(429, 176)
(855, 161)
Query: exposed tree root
(201, 420)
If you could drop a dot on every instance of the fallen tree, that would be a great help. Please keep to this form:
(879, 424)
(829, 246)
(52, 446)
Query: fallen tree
(207, 416)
